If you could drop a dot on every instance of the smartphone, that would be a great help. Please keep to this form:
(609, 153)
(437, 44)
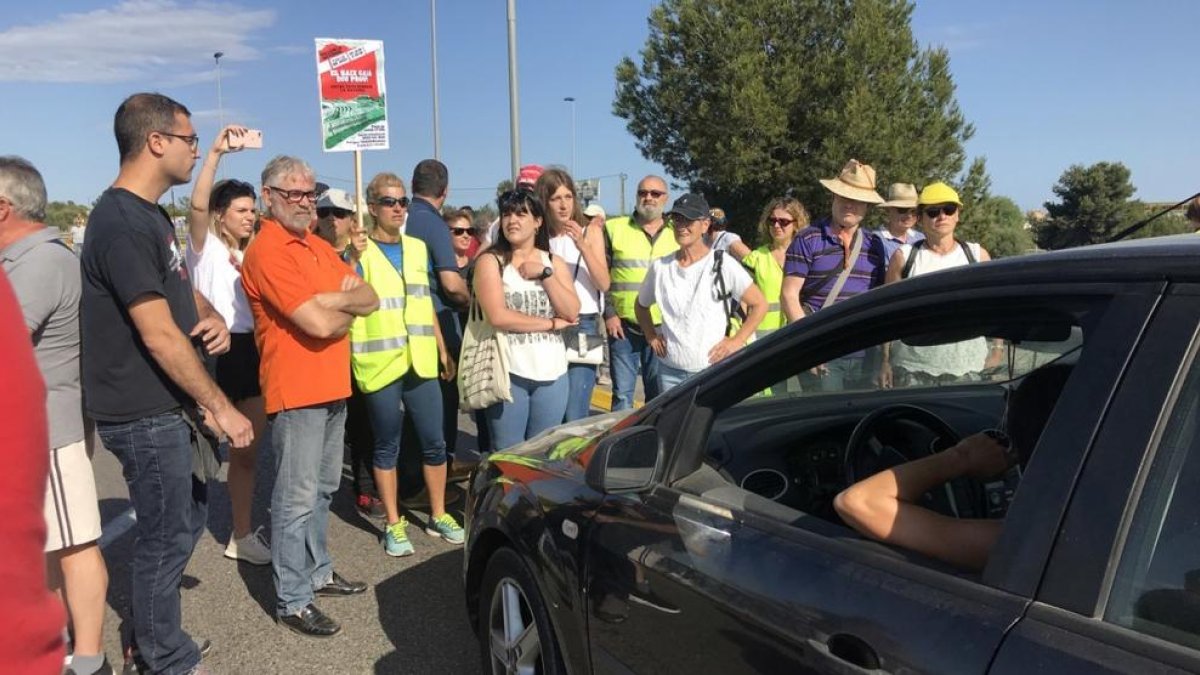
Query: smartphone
(252, 138)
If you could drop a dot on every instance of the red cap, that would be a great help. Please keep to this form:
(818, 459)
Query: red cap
(529, 174)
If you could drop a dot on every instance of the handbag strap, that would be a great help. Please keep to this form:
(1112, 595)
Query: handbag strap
(855, 250)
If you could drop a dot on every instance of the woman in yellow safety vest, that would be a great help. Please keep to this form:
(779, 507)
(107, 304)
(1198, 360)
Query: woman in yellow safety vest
(781, 220)
(396, 353)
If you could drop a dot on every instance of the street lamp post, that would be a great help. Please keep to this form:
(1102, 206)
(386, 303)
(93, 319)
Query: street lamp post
(514, 113)
(220, 106)
(437, 133)
(571, 100)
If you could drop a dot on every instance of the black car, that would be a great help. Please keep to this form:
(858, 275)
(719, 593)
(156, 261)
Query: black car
(697, 534)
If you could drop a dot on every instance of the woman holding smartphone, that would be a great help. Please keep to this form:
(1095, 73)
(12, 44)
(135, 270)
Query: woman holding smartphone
(529, 295)
(581, 248)
(220, 227)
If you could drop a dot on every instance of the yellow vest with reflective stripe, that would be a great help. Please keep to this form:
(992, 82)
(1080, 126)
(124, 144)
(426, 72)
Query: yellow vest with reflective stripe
(768, 276)
(399, 334)
(632, 253)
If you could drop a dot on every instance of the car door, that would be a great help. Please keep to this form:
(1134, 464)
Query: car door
(696, 574)
(1121, 592)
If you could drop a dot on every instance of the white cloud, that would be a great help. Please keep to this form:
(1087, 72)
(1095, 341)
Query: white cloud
(163, 40)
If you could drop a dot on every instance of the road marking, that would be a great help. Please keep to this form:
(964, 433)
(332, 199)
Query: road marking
(117, 527)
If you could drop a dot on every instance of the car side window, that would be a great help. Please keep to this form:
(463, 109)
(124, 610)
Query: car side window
(1156, 589)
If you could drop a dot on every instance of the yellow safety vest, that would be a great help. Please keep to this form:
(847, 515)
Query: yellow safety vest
(768, 276)
(632, 252)
(400, 333)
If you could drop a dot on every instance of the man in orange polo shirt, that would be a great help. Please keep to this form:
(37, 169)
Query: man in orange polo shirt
(303, 298)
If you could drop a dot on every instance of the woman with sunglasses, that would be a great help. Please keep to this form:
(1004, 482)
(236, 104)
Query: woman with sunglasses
(781, 220)
(903, 365)
(220, 227)
(581, 247)
(466, 247)
(528, 294)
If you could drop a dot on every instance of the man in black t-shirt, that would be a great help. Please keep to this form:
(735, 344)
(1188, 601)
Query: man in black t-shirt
(142, 326)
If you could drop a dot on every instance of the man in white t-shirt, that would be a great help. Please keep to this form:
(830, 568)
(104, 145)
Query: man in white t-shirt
(78, 231)
(696, 289)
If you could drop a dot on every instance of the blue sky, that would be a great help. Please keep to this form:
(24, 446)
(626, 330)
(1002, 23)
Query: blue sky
(1047, 85)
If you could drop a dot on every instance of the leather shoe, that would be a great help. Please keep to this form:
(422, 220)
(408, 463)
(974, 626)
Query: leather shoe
(311, 622)
(338, 586)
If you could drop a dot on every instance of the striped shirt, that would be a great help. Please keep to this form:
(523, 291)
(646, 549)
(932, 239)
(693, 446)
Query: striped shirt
(817, 256)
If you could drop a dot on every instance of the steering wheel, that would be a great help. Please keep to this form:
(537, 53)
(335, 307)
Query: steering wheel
(865, 456)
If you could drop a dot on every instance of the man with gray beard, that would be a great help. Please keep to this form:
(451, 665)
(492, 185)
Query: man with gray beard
(303, 297)
(630, 245)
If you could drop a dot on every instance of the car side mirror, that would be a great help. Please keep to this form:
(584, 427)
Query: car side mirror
(626, 461)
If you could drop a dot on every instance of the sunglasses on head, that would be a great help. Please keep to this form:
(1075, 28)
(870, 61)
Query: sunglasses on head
(460, 231)
(389, 202)
(944, 209)
(656, 194)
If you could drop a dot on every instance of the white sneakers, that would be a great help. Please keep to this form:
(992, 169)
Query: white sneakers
(251, 548)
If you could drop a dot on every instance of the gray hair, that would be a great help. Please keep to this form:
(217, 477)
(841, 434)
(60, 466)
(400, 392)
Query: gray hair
(285, 165)
(21, 184)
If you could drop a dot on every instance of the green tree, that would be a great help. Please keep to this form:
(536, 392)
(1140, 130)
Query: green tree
(1095, 203)
(998, 224)
(503, 186)
(744, 99)
(975, 186)
(63, 214)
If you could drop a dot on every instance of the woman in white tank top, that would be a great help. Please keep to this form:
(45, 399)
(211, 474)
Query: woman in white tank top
(581, 246)
(528, 294)
(914, 366)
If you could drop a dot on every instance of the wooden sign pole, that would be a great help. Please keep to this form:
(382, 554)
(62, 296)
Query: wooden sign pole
(358, 195)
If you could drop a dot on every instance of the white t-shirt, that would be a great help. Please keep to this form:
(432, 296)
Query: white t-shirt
(589, 297)
(693, 318)
(539, 356)
(956, 358)
(217, 273)
(78, 232)
(721, 241)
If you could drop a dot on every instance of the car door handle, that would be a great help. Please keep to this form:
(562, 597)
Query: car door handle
(848, 653)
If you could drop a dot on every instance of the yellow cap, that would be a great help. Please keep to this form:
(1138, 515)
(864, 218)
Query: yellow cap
(938, 193)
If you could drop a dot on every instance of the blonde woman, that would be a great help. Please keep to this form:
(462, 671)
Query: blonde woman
(781, 220)
(220, 226)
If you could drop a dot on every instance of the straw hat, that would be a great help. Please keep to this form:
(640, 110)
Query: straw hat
(856, 181)
(901, 196)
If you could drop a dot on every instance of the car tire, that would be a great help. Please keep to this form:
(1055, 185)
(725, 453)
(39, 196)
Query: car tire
(514, 626)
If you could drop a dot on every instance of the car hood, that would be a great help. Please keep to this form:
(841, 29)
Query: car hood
(562, 451)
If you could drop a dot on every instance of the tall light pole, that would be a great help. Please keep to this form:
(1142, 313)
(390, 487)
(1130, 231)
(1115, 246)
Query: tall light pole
(571, 100)
(437, 133)
(514, 113)
(220, 106)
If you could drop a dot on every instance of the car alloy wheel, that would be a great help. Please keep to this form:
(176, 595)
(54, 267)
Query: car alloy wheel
(515, 643)
(514, 628)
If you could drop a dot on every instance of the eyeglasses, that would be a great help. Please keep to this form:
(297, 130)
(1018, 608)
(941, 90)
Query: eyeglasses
(682, 222)
(905, 212)
(944, 209)
(335, 212)
(389, 202)
(193, 141)
(460, 231)
(656, 194)
(293, 196)
(781, 222)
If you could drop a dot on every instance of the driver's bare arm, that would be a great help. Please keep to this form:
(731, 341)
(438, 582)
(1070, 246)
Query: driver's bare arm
(883, 506)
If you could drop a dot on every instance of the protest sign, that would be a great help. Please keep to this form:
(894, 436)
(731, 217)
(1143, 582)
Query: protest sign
(353, 95)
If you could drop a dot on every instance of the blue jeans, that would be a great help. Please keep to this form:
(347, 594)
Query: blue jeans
(581, 378)
(626, 357)
(669, 378)
(156, 455)
(421, 397)
(536, 406)
(840, 372)
(308, 446)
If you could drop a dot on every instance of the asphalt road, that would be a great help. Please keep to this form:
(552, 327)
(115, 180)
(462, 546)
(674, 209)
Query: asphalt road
(411, 620)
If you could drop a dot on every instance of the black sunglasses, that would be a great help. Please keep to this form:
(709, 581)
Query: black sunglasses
(335, 212)
(944, 209)
(460, 231)
(650, 193)
(389, 202)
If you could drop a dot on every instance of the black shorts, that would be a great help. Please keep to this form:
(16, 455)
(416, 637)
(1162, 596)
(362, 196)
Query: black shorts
(237, 369)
